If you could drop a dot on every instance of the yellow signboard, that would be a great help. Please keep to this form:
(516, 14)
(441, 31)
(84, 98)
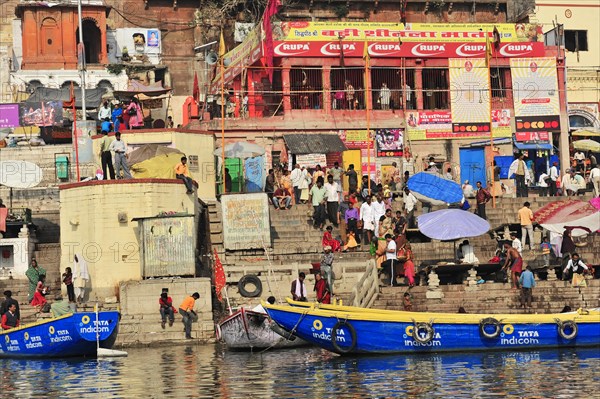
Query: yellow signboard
(306, 31)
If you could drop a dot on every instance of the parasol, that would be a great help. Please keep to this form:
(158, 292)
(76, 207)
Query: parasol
(149, 151)
(432, 188)
(452, 224)
(587, 145)
(241, 149)
(587, 132)
(580, 215)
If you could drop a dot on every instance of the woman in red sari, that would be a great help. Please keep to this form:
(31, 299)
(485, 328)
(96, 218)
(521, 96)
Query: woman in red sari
(409, 266)
(329, 241)
(39, 299)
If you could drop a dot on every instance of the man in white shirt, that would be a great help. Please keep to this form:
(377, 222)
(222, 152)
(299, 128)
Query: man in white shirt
(378, 212)
(468, 190)
(366, 215)
(516, 243)
(119, 147)
(595, 179)
(391, 259)
(104, 112)
(543, 184)
(580, 159)
(574, 269)
(553, 178)
(520, 172)
(410, 204)
(333, 200)
(296, 178)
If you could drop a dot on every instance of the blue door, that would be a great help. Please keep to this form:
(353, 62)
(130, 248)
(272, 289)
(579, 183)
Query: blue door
(472, 165)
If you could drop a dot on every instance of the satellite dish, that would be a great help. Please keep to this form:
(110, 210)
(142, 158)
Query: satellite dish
(212, 58)
(20, 174)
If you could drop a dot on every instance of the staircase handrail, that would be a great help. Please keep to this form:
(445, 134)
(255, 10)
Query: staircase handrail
(366, 290)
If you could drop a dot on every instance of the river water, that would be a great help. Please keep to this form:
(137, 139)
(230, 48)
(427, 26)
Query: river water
(208, 371)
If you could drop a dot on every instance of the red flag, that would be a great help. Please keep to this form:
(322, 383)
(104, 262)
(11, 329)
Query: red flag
(71, 102)
(196, 91)
(269, 50)
(220, 279)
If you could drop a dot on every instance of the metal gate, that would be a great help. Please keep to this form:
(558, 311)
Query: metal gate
(472, 165)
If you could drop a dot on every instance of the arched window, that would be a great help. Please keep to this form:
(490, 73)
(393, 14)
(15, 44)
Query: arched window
(50, 38)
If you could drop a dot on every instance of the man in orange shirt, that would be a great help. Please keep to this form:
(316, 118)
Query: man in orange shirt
(182, 172)
(186, 309)
(526, 219)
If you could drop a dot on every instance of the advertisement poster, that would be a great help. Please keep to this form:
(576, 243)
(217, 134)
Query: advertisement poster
(390, 142)
(354, 139)
(431, 125)
(535, 87)
(311, 160)
(469, 91)
(304, 31)
(533, 137)
(47, 113)
(247, 218)
(153, 38)
(9, 115)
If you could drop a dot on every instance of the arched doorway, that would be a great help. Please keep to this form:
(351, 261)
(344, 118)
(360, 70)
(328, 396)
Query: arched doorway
(92, 39)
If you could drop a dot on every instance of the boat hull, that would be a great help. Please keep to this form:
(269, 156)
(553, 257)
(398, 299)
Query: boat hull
(248, 330)
(395, 333)
(72, 335)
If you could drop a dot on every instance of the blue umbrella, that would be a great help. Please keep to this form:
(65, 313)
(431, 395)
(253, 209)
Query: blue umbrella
(431, 187)
(452, 224)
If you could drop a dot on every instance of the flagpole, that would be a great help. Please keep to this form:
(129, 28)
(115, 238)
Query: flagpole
(489, 68)
(222, 68)
(81, 54)
(368, 110)
(75, 134)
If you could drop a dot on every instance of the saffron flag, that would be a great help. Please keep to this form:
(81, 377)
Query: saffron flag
(196, 90)
(220, 279)
(488, 51)
(269, 49)
(222, 49)
(3, 215)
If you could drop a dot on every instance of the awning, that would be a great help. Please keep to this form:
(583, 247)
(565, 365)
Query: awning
(503, 140)
(93, 97)
(533, 146)
(135, 87)
(588, 131)
(314, 143)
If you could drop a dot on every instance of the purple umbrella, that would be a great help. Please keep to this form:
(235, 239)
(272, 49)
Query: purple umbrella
(452, 224)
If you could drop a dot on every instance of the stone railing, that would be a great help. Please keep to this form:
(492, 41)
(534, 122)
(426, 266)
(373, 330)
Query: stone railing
(366, 290)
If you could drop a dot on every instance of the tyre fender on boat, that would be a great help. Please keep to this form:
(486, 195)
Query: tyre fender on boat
(281, 331)
(564, 326)
(490, 321)
(250, 279)
(334, 335)
(427, 328)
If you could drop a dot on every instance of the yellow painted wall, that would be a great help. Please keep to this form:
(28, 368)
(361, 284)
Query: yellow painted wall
(201, 145)
(89, 225)
(583, 80)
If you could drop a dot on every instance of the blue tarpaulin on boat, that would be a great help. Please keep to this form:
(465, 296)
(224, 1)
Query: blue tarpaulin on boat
(435, 187)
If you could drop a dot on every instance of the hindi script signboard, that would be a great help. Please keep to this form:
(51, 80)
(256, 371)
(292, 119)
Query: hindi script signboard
(246, 221)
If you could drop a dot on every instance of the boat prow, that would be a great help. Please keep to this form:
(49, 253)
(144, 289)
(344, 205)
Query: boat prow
(71, 335)
(248, 330)
(356, 330)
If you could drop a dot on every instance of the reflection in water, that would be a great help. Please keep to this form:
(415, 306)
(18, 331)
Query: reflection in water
(210, 372)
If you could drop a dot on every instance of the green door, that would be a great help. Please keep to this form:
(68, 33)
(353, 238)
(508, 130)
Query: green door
(236, 171)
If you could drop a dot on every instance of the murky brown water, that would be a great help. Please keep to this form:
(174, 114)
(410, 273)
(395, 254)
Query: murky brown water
(211, 372)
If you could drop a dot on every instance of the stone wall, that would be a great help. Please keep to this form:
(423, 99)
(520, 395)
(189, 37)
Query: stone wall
(140, 324)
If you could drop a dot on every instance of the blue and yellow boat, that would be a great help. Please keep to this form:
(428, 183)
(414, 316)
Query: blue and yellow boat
(71, 335)
(351, 330)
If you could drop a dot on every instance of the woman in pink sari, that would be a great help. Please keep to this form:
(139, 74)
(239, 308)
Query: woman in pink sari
(136, 118)
(329, 241)
(39, 299)
(409, 266)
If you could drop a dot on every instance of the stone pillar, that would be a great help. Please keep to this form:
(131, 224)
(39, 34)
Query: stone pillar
(433, 288)
(563, 141)
(285, 84)
(552, 274)
(471, 281)
(327, 89)
(419, 85)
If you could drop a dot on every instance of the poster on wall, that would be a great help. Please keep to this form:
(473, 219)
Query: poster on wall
(390, 142)
(9, 115)
(311, 160)
(247, 219)
(533, 137)
(469, 95)
(535, 93)
(45, 113)
(354, 139)
(431, 125)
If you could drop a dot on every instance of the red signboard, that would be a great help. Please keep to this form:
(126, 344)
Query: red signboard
(536, 137)
(406, 50)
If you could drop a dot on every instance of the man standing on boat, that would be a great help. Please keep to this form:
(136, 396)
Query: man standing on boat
(299, 288)
(10, 319)
(322, 290)
(187, 312)
(327, 266)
